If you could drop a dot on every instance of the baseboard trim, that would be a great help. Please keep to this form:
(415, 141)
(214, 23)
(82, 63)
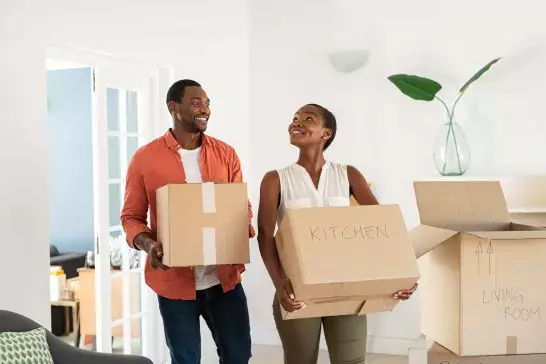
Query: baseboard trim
(390, 345)
(376, 344)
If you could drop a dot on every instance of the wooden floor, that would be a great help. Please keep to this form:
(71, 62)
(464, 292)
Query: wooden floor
(273, 355)
(262, 354)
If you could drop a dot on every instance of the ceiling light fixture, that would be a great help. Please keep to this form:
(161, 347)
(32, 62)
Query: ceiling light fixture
(348, 61)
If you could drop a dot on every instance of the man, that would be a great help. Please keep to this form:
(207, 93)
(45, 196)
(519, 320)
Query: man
(185, 154)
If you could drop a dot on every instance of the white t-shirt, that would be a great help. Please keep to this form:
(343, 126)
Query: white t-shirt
(205, 276)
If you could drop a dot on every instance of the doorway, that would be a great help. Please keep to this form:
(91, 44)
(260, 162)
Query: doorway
(100, 111)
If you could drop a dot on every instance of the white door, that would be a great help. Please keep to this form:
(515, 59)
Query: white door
(123, 104)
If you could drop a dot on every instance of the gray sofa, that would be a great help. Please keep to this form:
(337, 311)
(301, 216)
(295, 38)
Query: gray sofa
(70, 262)
(62, 352)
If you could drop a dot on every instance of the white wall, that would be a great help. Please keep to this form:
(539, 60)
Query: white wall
(24, 193)
(388, 136)
(255, 93)
(204, 40)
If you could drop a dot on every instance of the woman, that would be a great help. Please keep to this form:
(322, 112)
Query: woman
(311, 182)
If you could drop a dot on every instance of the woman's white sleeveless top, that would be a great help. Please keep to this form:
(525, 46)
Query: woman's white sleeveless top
(298, 190)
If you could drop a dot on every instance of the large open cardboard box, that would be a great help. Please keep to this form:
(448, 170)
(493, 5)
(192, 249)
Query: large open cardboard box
(436, 354)
(203, 224)
(346, 260)
(481, 274)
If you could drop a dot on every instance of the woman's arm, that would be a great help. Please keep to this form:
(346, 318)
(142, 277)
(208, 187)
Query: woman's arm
(267, 218)
(360, 188)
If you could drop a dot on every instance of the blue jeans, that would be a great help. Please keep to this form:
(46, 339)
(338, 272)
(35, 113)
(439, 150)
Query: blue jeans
(226, 315)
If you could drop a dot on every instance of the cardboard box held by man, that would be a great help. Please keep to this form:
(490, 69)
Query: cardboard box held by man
(203, 224)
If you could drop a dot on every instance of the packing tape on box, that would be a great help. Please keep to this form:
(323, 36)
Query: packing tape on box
(209, 246)
(209, 233)
(511, 345)
(209, 198)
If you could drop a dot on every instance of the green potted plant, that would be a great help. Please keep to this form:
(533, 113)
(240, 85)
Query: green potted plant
(451, 151)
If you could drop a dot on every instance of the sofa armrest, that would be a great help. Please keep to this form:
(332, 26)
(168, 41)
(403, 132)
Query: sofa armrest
(64, 353)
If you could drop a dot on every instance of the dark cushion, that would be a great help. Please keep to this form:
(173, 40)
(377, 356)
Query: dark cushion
(53, 251)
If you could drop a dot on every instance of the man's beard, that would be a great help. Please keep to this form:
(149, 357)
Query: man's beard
(191, 127)
(195, 128)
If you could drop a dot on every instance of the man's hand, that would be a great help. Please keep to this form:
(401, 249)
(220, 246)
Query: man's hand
(405, 293)
(155, 256)
(286, 296)
(153, 248)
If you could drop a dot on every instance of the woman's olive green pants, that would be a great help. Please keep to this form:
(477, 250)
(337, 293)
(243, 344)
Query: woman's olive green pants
(345, 337)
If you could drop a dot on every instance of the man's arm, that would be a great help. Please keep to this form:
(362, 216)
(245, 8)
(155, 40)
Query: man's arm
(237, 177)
(135, 209)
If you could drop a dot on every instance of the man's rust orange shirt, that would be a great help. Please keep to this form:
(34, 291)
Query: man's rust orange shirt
(156, 165)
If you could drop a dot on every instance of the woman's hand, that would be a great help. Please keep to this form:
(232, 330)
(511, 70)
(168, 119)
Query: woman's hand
(405, 293)
(286, 296)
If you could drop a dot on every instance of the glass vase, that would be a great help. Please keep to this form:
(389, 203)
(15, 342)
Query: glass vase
(451, 151)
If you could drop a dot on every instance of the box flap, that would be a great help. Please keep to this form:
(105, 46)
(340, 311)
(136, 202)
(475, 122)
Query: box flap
(462, 206)
(522, 226)
(526, 192)
(537, 219)
(425, 238)
(326, 308)
(378, 305)
(510, 235)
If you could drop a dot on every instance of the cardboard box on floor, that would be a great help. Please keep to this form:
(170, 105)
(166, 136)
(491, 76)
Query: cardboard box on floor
(481, 275)
(346, 260)
(437, 354)
(203, 224)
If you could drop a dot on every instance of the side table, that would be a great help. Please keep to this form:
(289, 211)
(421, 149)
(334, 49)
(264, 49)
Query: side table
(75, 305)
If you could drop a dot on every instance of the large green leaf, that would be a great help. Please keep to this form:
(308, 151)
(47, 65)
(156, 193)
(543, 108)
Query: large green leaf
(418, 88)
(479, 74)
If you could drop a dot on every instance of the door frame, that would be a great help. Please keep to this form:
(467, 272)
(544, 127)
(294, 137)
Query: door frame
(153, 343)
(164, 75)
